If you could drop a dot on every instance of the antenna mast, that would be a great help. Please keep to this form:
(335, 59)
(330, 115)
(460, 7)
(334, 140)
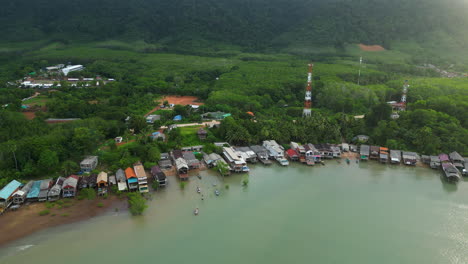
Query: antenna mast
(308, 95)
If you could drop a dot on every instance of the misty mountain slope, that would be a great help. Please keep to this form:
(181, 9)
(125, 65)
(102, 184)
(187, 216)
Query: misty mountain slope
(256, 24)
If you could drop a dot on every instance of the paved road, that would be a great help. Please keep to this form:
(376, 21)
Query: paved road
(207, 123)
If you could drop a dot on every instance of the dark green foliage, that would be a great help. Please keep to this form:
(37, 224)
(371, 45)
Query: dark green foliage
(137, 203)
(87, 193)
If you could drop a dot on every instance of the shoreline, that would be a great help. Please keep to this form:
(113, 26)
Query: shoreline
(27, 221)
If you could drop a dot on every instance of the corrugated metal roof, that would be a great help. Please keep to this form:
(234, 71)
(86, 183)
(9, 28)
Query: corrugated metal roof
(9, 189)
(129, 173)
(102, 177)
(71, 182)
(120, 175)
(139, 171)
(35, 189)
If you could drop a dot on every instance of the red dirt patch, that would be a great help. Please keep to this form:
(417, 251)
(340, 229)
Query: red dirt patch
(176, 100)
(29, 115)
(371, 47)
(182, 100)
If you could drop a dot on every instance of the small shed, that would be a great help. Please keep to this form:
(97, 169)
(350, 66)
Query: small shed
(121, 180)
(132, 179)
(409, 158)
(383, 155)
(69, 186)
(165, 164)
(165, 156)
(364, 152)
(142, 178)
(89, 163)
(435, 162)
(345, 147)
(56, 190)
(33, 194)
(6, 194)
(457, 160)
(292, 154)
(102, 180)
(92, 181)
(177, 153)
(444, 158)
(425, 159)
(45, 187)
(451, 172)
(112, 180)
(19, 196)
(202, 133)
(182, 168)
(395, 156)
(192, 161)
(159, 175)
(374, 152)
(262, 152)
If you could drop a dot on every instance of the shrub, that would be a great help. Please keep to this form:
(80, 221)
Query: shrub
(65, 214)
(245, 181)
(137, 203)
(182, 185)
(44, 212)
(114, 189)
(226, 186)
(87, 193)
(100, 205)
(49, 205)
(155, 185)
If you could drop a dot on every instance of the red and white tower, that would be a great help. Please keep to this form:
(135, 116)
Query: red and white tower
(308, 95)
(400, 106)
(403, 96)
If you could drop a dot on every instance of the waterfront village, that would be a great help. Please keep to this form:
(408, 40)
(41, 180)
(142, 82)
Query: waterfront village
(231, 159)
(226, 159)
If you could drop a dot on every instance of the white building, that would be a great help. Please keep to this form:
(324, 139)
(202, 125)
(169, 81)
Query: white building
(151, 118)
(72, 68)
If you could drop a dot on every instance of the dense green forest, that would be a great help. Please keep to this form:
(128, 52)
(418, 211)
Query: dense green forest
(253, 25)
(236, 56)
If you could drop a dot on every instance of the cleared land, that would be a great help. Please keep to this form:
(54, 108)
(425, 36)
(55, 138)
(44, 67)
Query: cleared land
(27, 220)
(371, 47)
(182, 100)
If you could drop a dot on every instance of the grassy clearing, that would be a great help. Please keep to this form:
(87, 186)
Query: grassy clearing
(40, 100)
(189, 135)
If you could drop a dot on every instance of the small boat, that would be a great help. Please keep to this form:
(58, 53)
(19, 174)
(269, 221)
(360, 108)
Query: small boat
(195, 212)
(199, 176)
(217, 192)
(348, 161)
(323, 163)
(214, 184)
(198, 190)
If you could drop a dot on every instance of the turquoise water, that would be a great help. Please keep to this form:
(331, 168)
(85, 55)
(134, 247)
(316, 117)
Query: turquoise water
(338, 213)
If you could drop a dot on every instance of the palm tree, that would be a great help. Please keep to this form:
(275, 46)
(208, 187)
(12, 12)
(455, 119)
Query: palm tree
(11, 147)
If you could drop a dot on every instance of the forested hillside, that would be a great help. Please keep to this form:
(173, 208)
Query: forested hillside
(256, 24)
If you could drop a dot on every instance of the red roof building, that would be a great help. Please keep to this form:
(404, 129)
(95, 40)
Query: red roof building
(292, 154)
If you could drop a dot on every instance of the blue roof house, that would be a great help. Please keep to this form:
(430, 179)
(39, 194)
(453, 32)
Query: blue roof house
(33, 194)
(6, 194)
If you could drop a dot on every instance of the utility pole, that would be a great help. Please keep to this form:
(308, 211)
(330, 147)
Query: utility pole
(359, 74)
